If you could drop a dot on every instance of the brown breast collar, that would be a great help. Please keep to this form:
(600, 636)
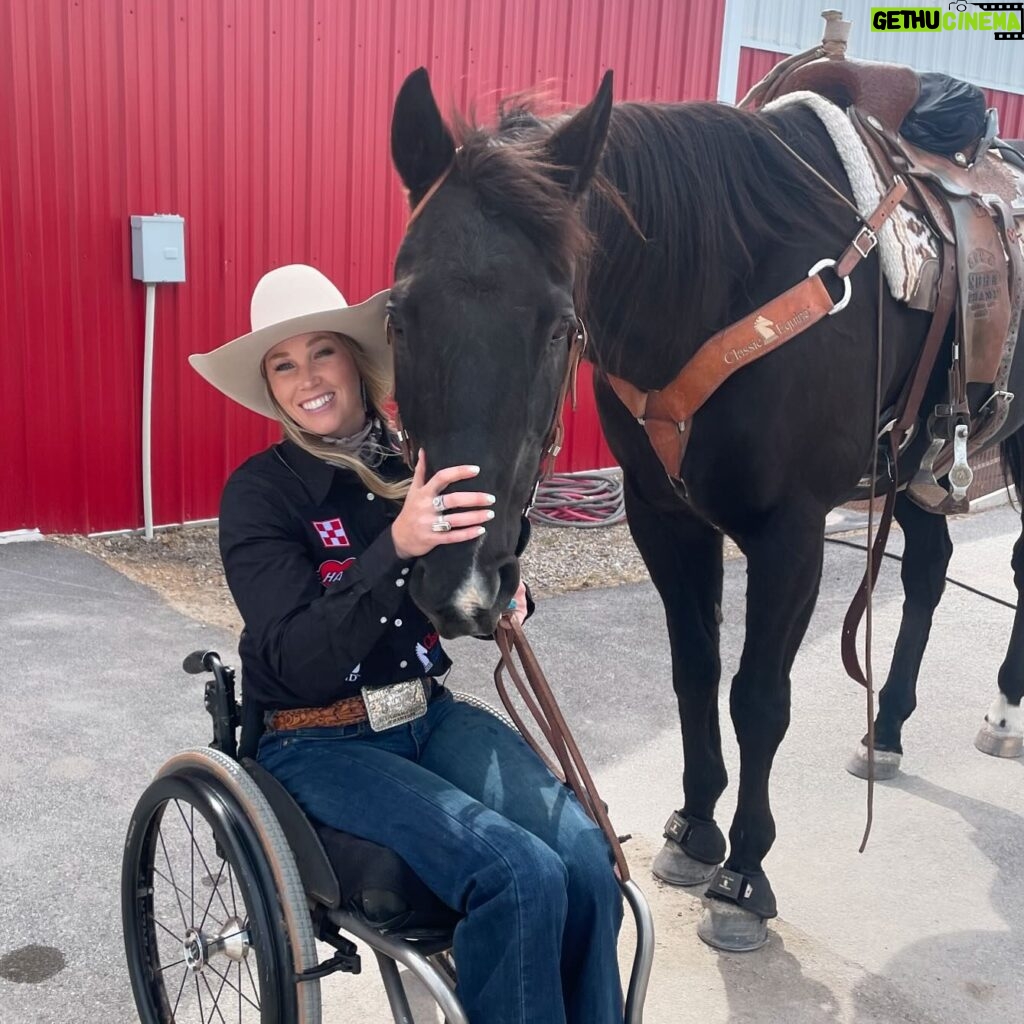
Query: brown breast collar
(666, 414)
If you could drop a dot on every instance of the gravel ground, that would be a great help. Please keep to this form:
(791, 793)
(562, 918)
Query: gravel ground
(183, 564)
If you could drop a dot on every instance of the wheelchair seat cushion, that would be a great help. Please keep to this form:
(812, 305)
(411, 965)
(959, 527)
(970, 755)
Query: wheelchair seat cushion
(378, 885)
(342, 871)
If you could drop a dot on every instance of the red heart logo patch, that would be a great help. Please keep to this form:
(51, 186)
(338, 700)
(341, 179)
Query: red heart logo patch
(332, 570)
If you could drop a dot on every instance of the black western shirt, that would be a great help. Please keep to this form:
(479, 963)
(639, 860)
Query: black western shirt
(310, 562)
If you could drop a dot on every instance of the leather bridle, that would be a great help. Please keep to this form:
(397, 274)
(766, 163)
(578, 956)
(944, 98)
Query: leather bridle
(576, 340)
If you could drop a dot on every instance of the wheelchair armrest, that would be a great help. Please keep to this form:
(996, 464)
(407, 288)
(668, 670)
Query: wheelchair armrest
(315, 870)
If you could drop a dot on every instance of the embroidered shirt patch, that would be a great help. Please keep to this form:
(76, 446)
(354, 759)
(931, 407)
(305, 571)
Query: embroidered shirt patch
(428, 650)
(332, 533)
(332, 570)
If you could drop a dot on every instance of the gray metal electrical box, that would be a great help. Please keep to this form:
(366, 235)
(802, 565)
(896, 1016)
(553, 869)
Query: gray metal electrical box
(158, 248)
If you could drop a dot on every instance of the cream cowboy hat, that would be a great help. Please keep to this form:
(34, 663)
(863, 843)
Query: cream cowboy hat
(287, 301)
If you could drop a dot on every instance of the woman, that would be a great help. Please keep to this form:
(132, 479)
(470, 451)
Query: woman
(318, 534)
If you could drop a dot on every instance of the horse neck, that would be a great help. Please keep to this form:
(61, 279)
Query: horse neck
(714, 209)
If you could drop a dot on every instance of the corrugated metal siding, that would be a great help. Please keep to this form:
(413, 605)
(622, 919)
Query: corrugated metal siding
(789, 26)
(1011, 112)
(265, 124)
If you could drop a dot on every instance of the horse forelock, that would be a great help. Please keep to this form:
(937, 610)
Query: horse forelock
(510, 171)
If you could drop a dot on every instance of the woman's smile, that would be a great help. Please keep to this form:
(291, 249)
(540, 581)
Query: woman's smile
(314, 380)
(319, 403)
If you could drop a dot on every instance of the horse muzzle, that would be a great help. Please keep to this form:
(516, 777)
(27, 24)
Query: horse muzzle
(467, 605)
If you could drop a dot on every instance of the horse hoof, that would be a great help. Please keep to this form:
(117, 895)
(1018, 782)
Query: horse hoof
(731, 928)
(887, 764)
(675, 866)
(999, 741)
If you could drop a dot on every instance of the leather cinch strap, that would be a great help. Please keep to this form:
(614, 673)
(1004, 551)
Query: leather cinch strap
(666, 415)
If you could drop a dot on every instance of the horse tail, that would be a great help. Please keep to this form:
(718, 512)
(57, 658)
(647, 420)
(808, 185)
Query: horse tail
(1012, 451)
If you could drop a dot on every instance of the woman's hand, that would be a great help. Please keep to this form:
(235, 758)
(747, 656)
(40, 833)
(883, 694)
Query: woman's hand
(516, 607)
(412, 531)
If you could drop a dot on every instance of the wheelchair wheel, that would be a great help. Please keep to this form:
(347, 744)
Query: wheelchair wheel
(216, 923)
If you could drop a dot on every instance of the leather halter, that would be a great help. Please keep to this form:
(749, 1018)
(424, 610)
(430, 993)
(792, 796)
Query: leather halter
(576, 339)
(666, 414)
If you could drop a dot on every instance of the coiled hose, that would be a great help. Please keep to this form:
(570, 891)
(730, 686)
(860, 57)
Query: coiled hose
(592, 498)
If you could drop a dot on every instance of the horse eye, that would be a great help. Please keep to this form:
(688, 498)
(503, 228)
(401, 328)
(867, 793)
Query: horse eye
(563, 329)
(394, 329)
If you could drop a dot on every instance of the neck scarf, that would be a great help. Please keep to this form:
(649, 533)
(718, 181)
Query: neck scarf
(367, 444)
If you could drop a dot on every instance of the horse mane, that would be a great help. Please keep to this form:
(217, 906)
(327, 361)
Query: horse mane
(714, 193)
(688, 201)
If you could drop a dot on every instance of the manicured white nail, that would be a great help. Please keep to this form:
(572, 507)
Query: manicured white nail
(481, 530)
(489, 514)
(476, 469)
(491, 499)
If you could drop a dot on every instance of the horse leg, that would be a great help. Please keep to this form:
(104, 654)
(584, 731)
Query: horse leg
(1002, 733)
(784, 561)
(926, 553)
(684, 557)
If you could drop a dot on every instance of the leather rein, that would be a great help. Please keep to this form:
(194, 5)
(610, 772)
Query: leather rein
(569, 765)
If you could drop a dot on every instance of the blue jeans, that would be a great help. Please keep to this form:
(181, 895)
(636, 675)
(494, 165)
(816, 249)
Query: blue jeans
(476, 814)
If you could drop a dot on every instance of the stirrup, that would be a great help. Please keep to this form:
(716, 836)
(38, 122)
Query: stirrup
(926, 491)
(961, 476)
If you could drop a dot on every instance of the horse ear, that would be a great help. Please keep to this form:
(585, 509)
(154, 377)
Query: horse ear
(576, 147)
(421, 145)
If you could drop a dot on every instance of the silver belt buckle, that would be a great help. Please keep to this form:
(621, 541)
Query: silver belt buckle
(388, 706)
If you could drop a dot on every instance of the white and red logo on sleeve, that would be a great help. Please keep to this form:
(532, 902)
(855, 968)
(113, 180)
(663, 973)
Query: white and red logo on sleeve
(332, 570)
(332, 533)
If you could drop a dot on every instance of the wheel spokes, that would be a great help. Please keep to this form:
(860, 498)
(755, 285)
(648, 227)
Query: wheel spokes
(185, 845)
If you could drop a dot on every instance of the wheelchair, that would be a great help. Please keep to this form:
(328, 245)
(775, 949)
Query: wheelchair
(227, 886)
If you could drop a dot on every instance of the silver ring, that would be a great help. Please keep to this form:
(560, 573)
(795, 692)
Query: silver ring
(847, 287)
(438, 502)
(440, 525)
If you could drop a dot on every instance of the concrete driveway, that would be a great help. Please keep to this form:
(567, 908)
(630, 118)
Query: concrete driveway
(926, 926)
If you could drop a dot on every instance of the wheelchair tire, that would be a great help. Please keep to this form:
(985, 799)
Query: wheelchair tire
(216, 922)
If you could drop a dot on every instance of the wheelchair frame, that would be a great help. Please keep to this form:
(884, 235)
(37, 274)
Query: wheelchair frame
(290, 889)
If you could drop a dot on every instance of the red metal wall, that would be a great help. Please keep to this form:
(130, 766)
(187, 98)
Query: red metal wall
(755, 64)
(265, 124)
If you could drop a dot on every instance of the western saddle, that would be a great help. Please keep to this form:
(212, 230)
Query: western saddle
(973, 201)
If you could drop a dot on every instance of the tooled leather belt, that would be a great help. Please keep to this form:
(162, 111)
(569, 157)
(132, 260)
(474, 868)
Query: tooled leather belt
(347, 711)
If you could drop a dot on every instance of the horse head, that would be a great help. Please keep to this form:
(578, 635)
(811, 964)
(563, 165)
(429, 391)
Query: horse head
(482, 320)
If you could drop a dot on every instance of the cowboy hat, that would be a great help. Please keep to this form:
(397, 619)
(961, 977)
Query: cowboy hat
(288, 301)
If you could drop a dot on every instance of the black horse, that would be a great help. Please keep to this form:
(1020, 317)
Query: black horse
(659, 225)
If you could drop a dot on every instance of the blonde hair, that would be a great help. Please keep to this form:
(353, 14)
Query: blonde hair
(377, 393)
